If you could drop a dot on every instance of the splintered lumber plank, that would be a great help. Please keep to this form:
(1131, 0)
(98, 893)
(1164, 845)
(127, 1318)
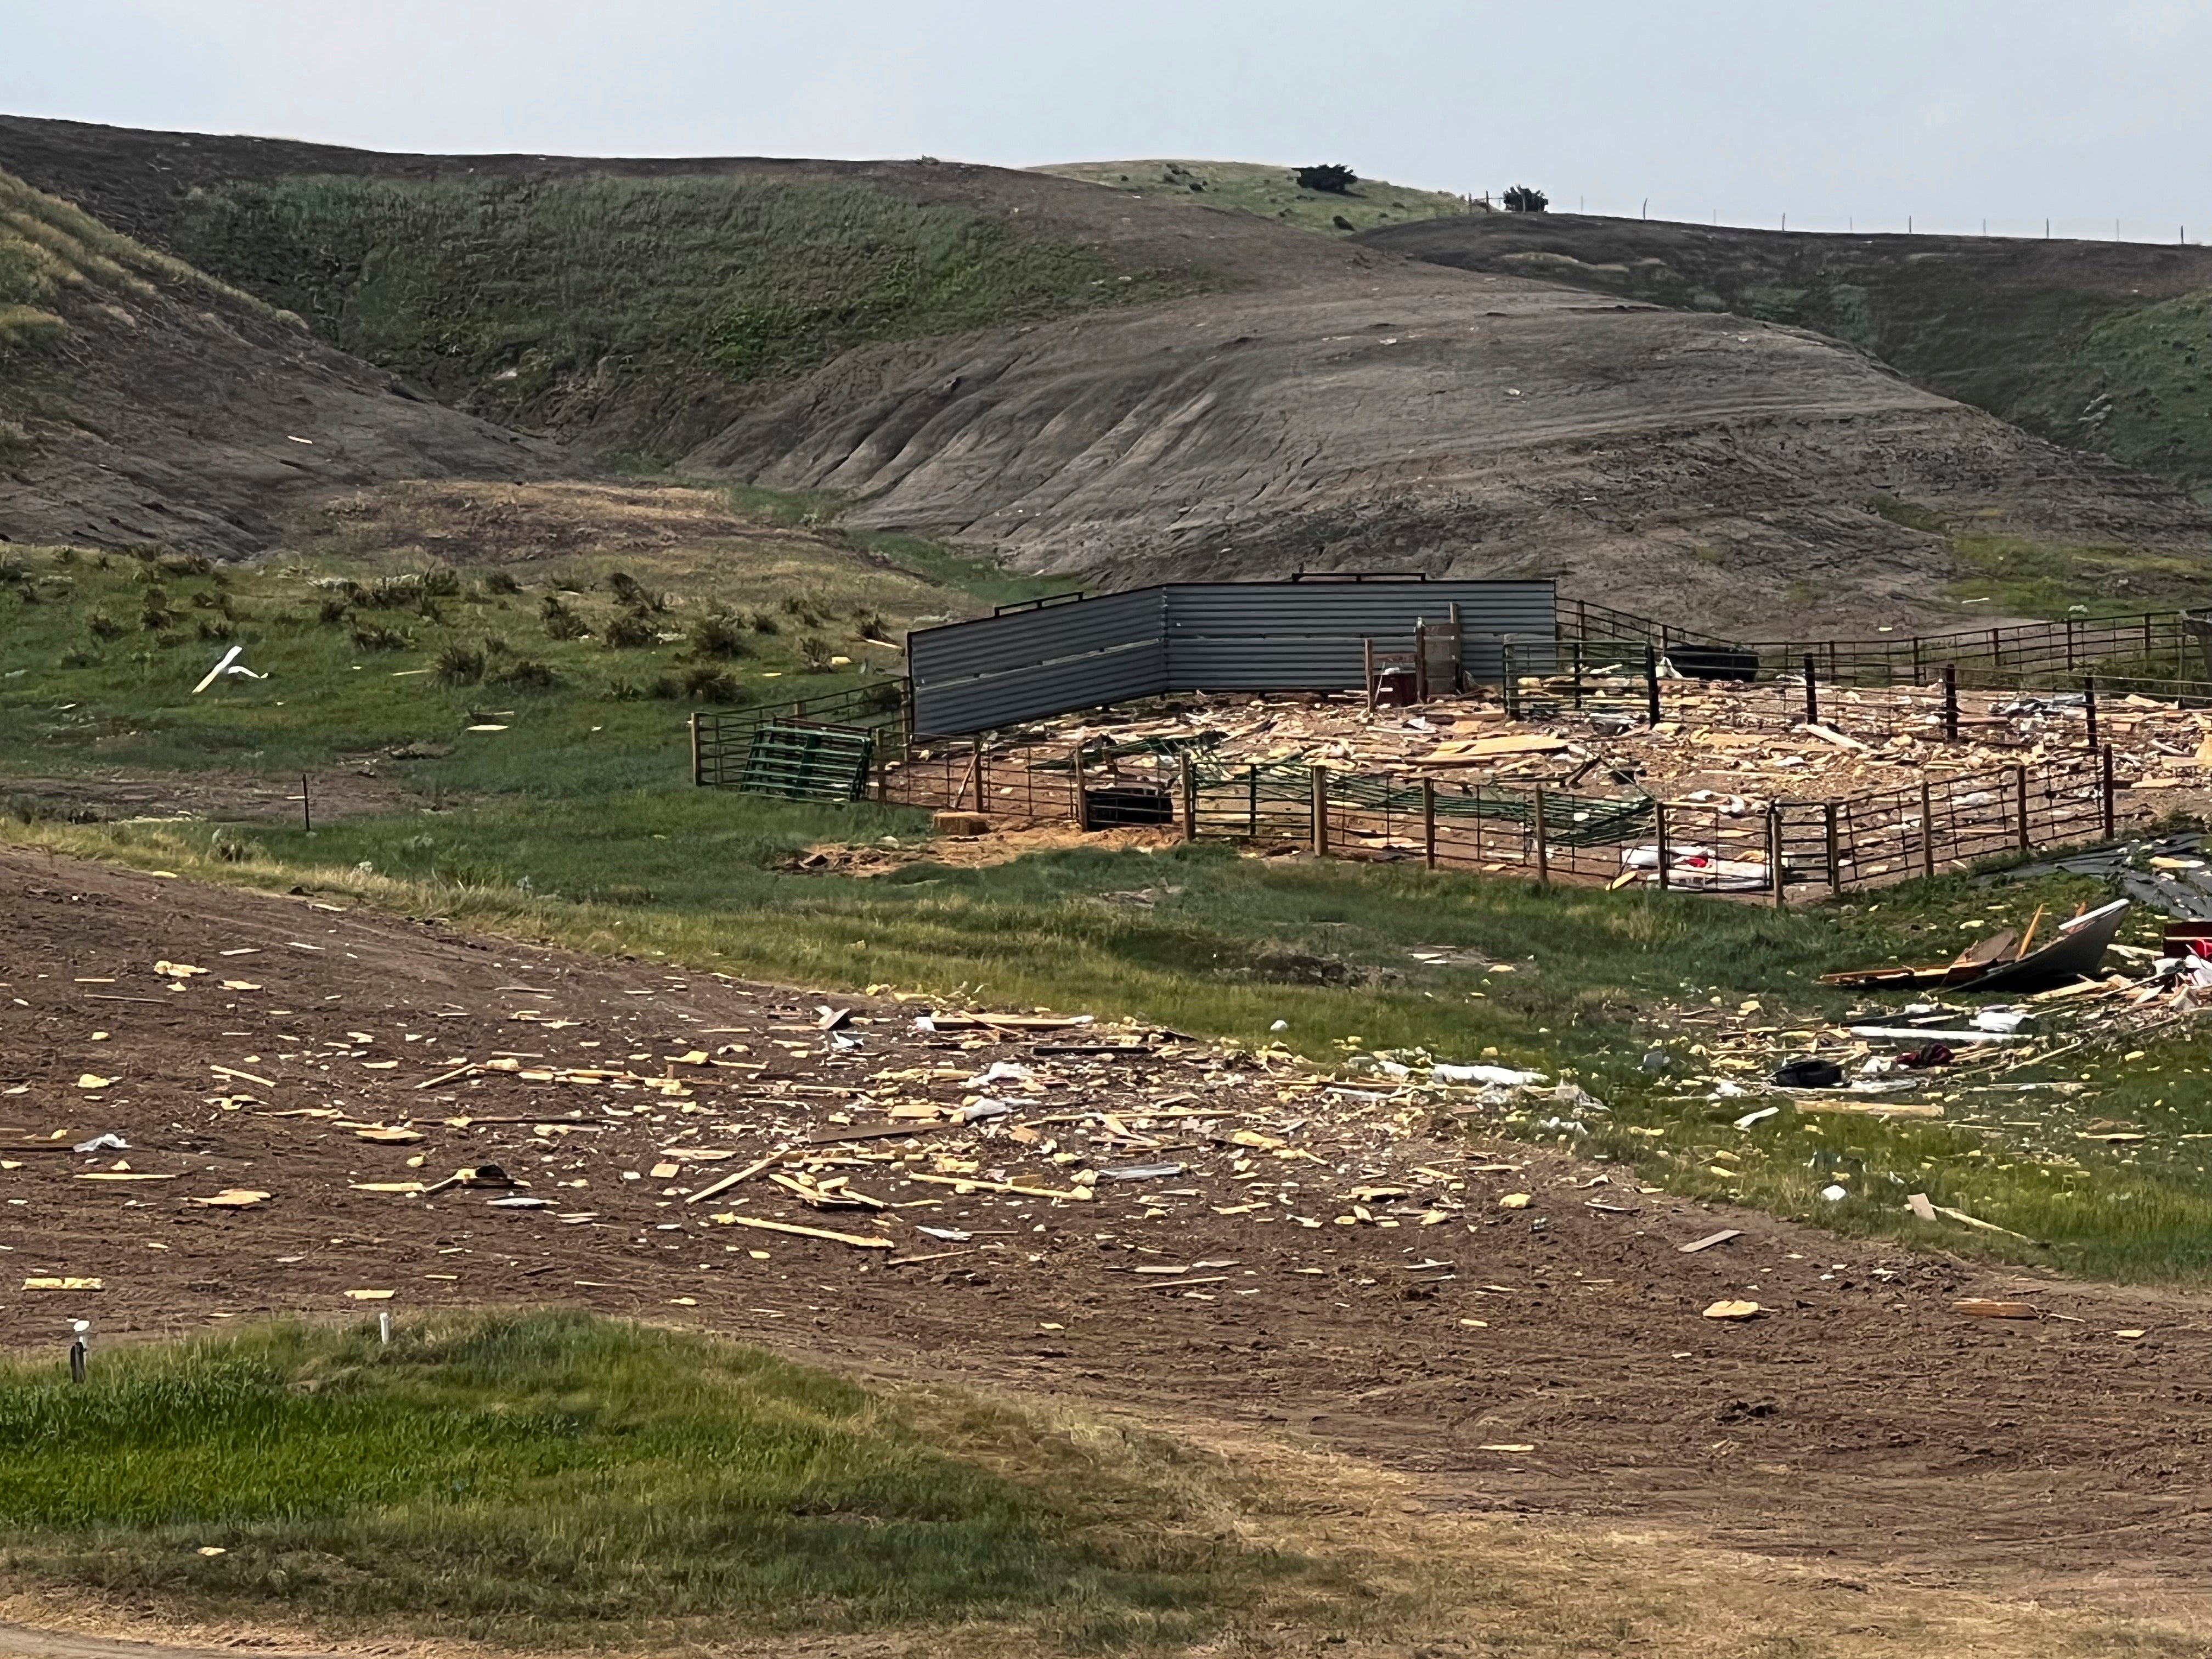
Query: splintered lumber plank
(1983, 1308)
(920, 1126)
(730, 1180)
(243, 1077)
(1710, 1240)
(854, 1239)
(1870, 1108)
(969, 1183)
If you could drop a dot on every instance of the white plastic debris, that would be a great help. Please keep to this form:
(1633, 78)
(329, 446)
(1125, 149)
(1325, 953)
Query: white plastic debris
(1504, 1076)
(2000, 1019)
(109, 1143)
(1002, 1071)
(1759, 1116)
(1835, 1195)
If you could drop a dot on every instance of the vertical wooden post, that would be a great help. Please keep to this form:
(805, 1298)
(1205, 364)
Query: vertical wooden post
(306, 807)
(1951, 701)
(1811, 692)
(2107, 780)
(1543, 841)
(1579, 675)
(2020, 795)
(1252, 802)
(1917, 671)
(1429, 822)
(1774, 852)
(1927, 829)
(1318, 778)
(1659, 838)
(1367, 658)
(2069, 642)
(1189, 798)
(1835, 850)
(1459, 652)
(1082, 794)
(1508, 683)
(1420, 662)
(2089, 705)
(698, 775)
(1651, 682)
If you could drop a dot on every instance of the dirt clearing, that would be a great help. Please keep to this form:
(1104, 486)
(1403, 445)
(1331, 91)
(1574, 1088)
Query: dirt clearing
(1858, 1416)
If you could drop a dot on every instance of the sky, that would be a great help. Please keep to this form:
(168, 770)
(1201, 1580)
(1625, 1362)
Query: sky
(1859, 113)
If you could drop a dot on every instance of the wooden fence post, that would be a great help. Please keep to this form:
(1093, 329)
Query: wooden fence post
(1951, 701)
(1189, 799)
(1835, 851)
(1543, 842)
(1367, 657)
(1429, 821)
(1459, 652)
(1252, 800)
(1659, 824)
(2020, 795)
(2089, 704)
(1927, 830)
(1812, 691)
(1651, 682)
(1420, 662)
(698, 775)
(1774, 852)
(2107, 770)
(1317, 777)
(1082, 803)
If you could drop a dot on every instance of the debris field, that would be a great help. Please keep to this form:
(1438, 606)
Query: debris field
(341, 1112)
(1716, 741)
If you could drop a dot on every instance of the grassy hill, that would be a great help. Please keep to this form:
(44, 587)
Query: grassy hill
(2100, 346)
(1270, 191)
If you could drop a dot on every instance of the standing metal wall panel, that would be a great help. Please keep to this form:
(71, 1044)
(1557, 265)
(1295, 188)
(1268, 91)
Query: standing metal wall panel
(1275, 636)
(1209, 636)
(970, 676)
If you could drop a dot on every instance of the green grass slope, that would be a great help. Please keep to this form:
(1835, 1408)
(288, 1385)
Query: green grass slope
(637, 310)
(1271, 192)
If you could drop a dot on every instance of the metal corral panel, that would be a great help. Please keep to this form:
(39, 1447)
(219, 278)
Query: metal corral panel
(1261, 636)
(970, 676)
(1211, 636)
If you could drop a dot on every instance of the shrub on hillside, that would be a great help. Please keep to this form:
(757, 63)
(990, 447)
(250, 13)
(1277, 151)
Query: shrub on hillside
(718, 636)
(628, 632)
(1330, 179)
(561, 622)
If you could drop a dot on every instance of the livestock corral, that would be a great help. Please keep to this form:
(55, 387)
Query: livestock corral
(1568, 743)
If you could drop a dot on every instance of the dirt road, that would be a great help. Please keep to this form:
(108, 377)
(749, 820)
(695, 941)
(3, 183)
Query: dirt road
(1859, 1419)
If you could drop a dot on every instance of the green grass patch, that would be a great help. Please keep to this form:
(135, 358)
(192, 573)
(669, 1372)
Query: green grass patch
(1270, 192)
(553, 1480)
(2024, 577)
(642, 307)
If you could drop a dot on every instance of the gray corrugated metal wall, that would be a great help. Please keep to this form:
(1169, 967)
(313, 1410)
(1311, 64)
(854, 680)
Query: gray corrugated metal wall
(1279, 636)
(969, 677)
(1209, 636)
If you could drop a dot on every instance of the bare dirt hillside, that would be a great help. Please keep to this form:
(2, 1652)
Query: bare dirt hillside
(2102, 346)
(141, 401)
(1695, 465)
(1124, 389)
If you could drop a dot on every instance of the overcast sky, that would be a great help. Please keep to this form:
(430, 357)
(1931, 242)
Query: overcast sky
(1859, 111)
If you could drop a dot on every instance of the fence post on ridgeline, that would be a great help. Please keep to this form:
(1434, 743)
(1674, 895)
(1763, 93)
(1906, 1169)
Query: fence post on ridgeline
(1317, 780)
(1951, 701)
(1651, 682)
(1834, 849)
(698, 772)
(2090, 706)
(1429, 821)
(1543, 843)
(2019, 797)
(2106, 769)
(1774, 853)
(1189, 798)
(1927, 830)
